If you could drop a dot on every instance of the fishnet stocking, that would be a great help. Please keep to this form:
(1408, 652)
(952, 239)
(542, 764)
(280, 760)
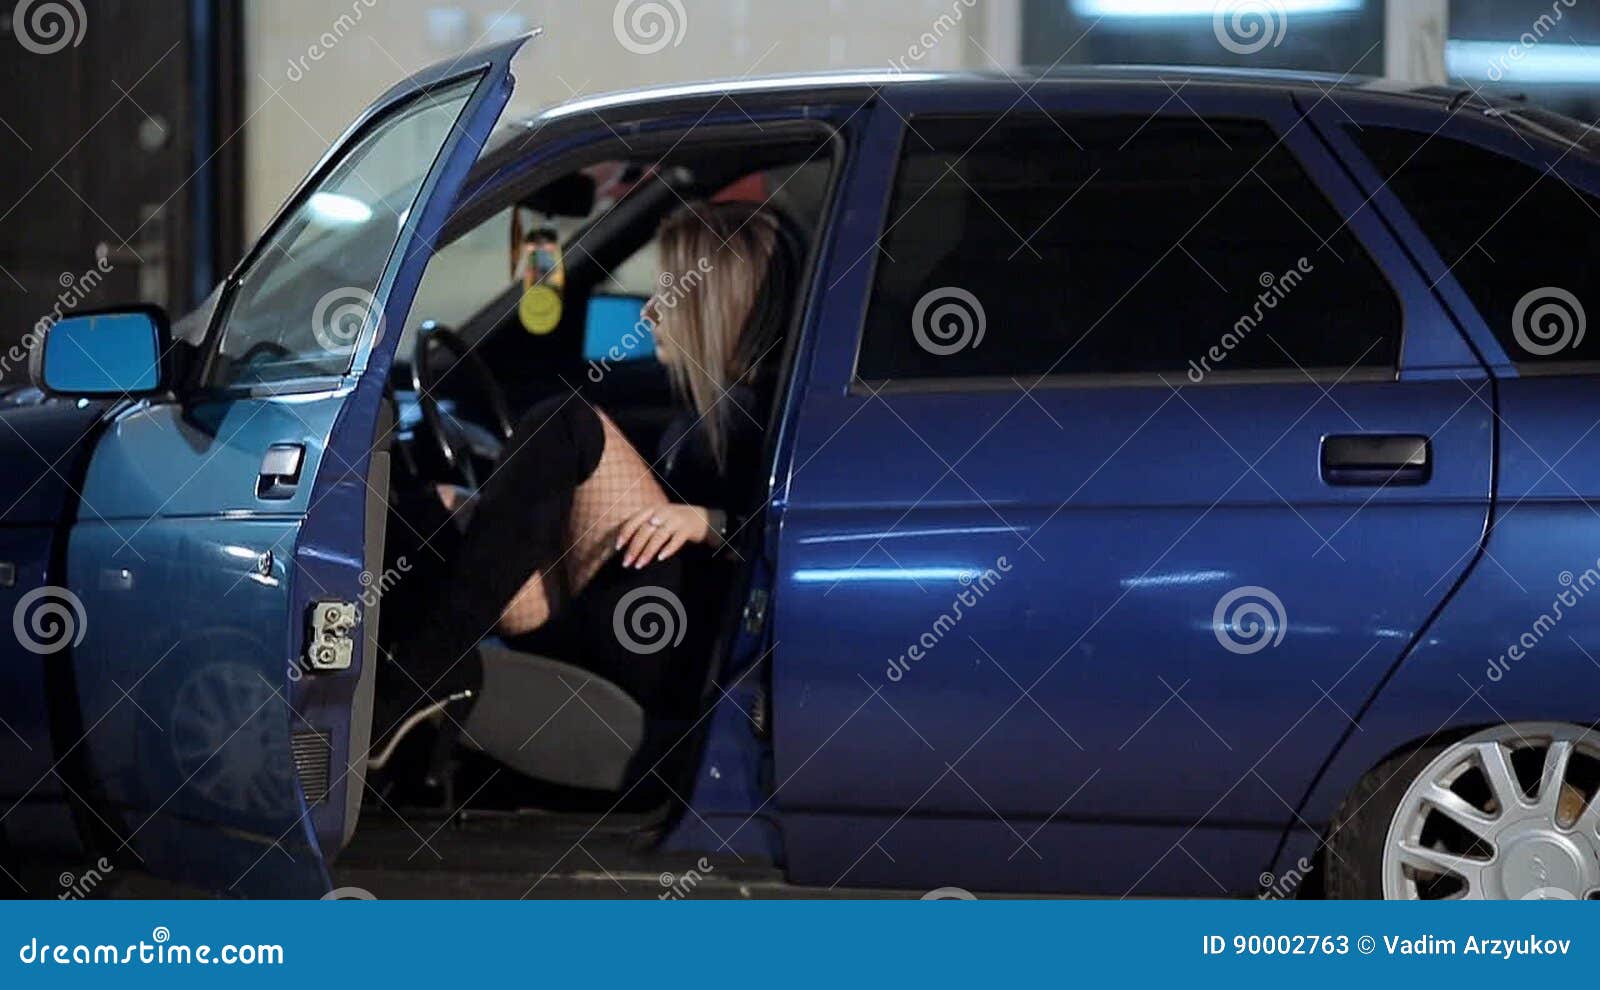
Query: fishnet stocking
(621, 486)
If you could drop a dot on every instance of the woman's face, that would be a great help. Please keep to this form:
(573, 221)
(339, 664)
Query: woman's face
(655, 312)
(658, 308)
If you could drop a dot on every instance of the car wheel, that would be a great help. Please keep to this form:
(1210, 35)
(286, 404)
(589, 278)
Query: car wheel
(1510, 813)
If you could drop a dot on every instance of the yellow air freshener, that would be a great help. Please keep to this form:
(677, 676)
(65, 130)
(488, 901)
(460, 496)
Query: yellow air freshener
(544, 276)
(540, 309)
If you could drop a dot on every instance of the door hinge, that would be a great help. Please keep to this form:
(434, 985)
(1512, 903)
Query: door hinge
(332, 645)
(755, 611)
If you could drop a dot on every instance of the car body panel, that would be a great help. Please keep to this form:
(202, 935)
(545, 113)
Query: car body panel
(1113, 520)
(1518, 640)
(200, 722)
(47, 446)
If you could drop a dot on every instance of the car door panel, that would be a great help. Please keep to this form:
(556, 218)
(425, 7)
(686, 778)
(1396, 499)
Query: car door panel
(1518, 623)
(219, 757)
(47, 446)
(1087, 683)
(204, 459)
(183, 689)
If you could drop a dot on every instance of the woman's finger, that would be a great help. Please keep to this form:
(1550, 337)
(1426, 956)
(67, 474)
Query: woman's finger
(653, 545)
(673, 546)
(631, 526)
(637, 542)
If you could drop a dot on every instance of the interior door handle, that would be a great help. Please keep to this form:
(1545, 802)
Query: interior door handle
(280, 470)
(1376, 459)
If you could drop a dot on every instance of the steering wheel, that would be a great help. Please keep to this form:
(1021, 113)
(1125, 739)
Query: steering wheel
(264, 348)
(459, 441)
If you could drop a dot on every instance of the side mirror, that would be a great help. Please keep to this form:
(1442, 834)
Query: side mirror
(108, 354)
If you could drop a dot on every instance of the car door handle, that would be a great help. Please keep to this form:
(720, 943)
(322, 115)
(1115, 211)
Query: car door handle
(280, 470)
(1376, 459)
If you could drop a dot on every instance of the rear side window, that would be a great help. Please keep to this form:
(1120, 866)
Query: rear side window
(1521, 241)
(1172, 247)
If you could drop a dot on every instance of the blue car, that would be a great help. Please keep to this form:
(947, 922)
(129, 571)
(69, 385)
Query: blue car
(1179, 483)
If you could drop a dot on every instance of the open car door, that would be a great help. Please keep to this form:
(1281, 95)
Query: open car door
(225, 550)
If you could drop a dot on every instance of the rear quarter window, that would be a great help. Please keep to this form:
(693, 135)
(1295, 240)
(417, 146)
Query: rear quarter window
(1519, 239)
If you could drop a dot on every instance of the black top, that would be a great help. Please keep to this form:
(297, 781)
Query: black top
(689, 471)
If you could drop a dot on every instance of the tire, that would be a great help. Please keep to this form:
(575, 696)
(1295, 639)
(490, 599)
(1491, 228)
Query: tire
(1353, 858)
(1511, 812)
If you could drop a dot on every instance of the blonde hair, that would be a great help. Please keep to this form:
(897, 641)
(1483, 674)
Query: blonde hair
(724, 275)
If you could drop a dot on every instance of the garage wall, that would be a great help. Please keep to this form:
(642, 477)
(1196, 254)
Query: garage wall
(311, 65)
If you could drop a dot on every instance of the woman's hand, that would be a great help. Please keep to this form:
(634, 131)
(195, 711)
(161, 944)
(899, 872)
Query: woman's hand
(658, 533)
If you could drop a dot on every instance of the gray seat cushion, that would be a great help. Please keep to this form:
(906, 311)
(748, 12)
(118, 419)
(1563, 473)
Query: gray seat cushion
(554, 722)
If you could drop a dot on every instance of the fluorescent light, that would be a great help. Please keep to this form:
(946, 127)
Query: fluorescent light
(337, 209)
(1511, 62)
(1209, 8)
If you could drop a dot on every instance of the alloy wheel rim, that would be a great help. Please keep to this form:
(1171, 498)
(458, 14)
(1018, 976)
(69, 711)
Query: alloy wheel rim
(1511, 813)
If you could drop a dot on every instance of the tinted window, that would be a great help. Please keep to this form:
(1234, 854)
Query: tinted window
(1521, 242)
(1113, 246)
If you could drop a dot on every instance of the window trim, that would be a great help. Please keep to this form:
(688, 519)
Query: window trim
(858, 385)
(1117, 380)
(1525, 368)
(200, 386)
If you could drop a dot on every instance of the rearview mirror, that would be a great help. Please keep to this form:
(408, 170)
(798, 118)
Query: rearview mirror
(571, 195)
(104, 354)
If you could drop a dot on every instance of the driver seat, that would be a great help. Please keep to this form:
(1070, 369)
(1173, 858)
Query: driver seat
(553, 721)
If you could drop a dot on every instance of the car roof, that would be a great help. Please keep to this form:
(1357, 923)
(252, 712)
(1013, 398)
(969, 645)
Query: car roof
(624, 108)
(843, 85)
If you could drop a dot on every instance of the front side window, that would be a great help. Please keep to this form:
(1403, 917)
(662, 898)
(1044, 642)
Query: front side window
(303, 303)
(1523, 242)
(1170, 248)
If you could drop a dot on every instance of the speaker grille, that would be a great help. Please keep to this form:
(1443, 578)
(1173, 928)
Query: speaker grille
(313, 755)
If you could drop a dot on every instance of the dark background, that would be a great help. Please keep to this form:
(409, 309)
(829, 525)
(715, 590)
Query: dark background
(135, 144)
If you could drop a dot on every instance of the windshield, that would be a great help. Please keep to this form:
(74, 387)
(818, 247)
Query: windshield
(305, 301)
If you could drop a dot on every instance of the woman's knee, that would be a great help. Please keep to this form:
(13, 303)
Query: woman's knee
(558, 431)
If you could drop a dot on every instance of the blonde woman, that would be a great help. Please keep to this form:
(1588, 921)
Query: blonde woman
(574, 518)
